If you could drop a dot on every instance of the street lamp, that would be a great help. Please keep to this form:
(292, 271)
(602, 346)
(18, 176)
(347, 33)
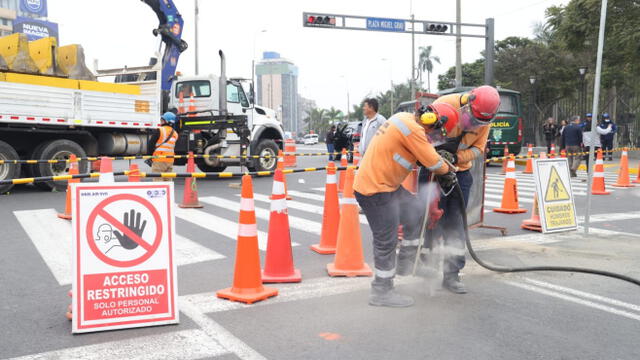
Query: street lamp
(391, 79)
(583, 89)
(532, 80)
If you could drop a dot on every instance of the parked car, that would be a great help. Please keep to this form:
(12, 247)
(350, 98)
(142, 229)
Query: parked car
(347, 136)
(311, 139)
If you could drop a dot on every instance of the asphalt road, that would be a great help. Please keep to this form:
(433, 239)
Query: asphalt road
(514, 316)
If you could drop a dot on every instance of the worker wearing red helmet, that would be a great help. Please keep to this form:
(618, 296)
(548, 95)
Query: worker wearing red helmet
(462, 145)
(398, 144)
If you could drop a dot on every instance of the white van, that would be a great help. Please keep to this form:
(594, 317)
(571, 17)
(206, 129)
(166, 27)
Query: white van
(311, 139)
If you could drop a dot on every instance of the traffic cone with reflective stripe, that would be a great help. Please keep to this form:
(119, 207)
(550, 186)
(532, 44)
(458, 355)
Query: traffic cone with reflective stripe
(505, 160)
(356, 158)
(563, 154)
(623, 172)
(192, 105)
(181, 103)
(330, 214)
(247, 281)
(533, 223)
(552, 153)
(529, 168)
(190, 194)
(134, 173)
(73, 170)
(510, 194)
(598, 186)
(106, 171)
(343, 164)
(280, 166)
(278, 263)
(349, 259)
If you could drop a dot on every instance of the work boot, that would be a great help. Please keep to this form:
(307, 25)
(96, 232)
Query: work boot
(452, 283)
(404, 267)
(389, 298)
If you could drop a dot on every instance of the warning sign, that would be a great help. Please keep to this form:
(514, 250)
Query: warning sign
(124, 271)
(555, 197)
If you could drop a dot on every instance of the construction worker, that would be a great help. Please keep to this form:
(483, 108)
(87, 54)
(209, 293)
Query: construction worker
(165, 145)
(476, 109)
(390, 156)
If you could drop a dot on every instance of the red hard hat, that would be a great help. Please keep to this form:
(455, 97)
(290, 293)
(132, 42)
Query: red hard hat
(447, 115)
(484, 101)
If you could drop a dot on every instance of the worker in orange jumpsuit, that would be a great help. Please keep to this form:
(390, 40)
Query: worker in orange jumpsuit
(461, 146)
(398, 144)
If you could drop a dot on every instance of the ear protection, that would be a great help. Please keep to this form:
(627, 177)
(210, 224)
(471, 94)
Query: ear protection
(466, 98)
(428, 117)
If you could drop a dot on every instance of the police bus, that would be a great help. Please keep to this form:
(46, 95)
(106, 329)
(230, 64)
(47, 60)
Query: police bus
(507, 127)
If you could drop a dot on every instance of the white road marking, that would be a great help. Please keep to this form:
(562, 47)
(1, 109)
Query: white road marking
(297, 205)
(185, 344)
(295, 222)
(574, 299)
(52, 238)
(612, 217)
(306, 195)
(499, 197)
(218, 225)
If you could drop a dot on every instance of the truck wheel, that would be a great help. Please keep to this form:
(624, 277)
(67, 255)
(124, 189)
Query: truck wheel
(203, 166)
(266, 147)
(59, 150)
(8, 171)
(29, 170)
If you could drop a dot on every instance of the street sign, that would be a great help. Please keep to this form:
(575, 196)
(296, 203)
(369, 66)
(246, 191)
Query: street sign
(555, 197)
(124, 273)
(381, 24)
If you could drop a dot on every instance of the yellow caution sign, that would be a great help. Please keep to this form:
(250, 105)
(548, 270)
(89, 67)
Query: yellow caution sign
(556, 191)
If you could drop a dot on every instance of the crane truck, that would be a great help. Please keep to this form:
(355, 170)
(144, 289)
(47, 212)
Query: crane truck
(52, 106)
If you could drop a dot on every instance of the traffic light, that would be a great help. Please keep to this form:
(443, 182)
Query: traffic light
(436, 28)
(320, 20)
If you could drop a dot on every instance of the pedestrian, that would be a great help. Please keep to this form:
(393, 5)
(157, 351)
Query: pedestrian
(607, 130)
(372, 121)
(563, 124)
(461, 146)
(165, 146)
(590, 139)
(328, 139)
(550, 130)
(572, 140)
(390, 157)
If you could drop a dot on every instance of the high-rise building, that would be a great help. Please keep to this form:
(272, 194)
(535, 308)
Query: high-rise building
(277, 88)
(26, 16)
(304, 108)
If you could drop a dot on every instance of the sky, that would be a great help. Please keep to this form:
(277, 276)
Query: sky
(332, 63)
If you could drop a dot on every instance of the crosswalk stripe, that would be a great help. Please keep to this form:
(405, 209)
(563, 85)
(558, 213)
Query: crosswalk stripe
(295, 222)
(306, 195)
(522, 190)
(499, 197)
(52, 238)
(185, 344)
(292, 204)
(218, 225)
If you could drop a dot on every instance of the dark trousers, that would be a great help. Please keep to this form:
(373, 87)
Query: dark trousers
(384, 212)
(549, 142)
(330, 150)
(586, 156)
(450, 227)
(607, 145)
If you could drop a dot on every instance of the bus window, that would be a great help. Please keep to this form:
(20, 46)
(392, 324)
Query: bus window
(508, 104)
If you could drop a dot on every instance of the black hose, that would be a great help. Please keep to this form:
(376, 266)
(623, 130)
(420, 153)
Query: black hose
(504, 269)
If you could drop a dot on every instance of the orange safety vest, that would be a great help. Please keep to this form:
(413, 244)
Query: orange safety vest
(166, 143)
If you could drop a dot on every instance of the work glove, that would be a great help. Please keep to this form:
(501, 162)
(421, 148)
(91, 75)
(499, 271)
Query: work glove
(450, 157)
(447, 180)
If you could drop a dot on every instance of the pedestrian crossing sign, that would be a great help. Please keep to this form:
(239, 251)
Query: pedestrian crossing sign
(554, 195)
(556, 191)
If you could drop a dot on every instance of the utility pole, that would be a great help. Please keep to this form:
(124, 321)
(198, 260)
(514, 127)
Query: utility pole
(458, 46)
(413, 56)
(197, 11)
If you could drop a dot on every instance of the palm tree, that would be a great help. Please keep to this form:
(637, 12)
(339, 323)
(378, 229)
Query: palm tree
(425, 63)
(315, 119)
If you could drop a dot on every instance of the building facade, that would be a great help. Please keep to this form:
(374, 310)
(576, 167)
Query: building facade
(277, 88)
(26, 16)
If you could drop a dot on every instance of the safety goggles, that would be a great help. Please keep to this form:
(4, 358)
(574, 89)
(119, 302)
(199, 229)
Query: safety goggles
(468, 121)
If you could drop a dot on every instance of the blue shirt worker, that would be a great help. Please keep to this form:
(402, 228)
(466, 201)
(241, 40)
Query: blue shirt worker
(607, 130)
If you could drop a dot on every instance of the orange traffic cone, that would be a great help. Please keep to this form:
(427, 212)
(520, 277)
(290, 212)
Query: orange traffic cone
(180, 103)
(192, 105)
(637, 180)
(247, 282)
(505, 160)
(529, 168)
(349, 260)
(533, 223)
(598, 186)
(190, 194)
(330, 215)
(510, 194)
(356, 158)
(69, 314)
(411, 181)
(552, 153)
(290, 159)
(623, 172)
(134, 173)
(280, 166)
(106, 171)
(278, 263)
(563, 154)
(73, 170)
(343, 163)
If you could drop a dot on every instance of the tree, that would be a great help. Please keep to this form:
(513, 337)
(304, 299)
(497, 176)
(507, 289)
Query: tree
(472, 75)
(315, 119)
(425, 63)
